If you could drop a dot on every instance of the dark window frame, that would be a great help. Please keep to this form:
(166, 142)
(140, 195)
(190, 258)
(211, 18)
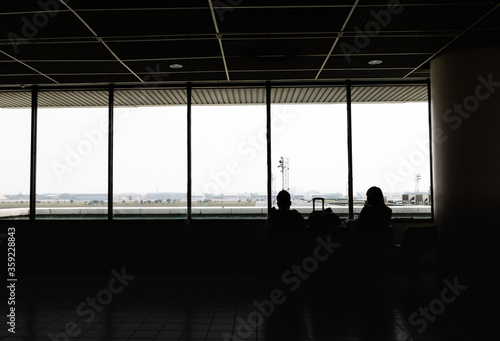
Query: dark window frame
(268, 86)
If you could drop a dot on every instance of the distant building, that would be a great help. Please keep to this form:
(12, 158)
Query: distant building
(128, 197)
(301, 196)
(91, 196)
(165, 196)
(231, 197)
(260, 196)
(311, 195)
(16, 196)
(416, 199)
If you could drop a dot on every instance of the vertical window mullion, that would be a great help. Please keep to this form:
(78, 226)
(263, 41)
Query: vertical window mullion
(349, 150)
(269, 159)
(110, 151)
(34, 117)
(189, 159)
(431, 192)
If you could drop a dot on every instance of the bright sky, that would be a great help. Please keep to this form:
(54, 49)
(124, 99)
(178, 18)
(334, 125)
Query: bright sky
(390, 146)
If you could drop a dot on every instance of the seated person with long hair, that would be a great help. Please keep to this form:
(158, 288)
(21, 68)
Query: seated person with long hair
(372, 235)
(374, 221)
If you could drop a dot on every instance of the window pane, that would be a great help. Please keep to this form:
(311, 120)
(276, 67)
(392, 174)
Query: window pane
(312, 139)
(15, 139)
(150, 153)
(72, 160)
(391, 151)
(229, 160)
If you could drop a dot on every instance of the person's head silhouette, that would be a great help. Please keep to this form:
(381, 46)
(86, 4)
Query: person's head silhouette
(284, 200)
(375, 197)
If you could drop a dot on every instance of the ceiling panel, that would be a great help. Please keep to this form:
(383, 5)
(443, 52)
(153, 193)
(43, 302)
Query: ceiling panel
(258, 40)
(42, 25)
(372, 20)
(275, 19)
(279, 46)
(388, 61)
(364, 74)
(77, 67)
(22, 79)
(187, 77)
(4, 57)
(26, 6)
(166, 48)
(384, 3)
(188, 65)
(149, 22)
(491, 20)
(275, 63)
(478, 39)
(419, 75)
(13, 67)
(61, 51)
(392, 45)
(281, 3)
(99, 4)
(95, 78)
(273, 75)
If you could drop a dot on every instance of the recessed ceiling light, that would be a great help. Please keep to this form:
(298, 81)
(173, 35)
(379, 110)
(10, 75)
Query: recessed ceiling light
(375, 62)
(176, 66)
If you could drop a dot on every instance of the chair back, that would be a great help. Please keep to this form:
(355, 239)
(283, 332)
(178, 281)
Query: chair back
(419, 239)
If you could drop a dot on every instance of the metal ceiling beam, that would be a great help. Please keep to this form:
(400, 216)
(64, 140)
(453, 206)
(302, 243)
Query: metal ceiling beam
(219, 38)
(99, 39)
(335, 42)
(222, 84)
(28, 66)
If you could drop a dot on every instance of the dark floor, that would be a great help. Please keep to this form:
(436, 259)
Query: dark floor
(384, 305)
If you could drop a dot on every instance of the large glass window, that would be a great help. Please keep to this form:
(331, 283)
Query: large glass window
(150, 153)
(309, 150)
(309, 158)
(15, 128)
(391, 151)
(229, 156)
(72, 160)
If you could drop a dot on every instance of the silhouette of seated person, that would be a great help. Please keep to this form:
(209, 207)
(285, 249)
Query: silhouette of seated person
(371, 236)
(374, 221)
(285, 230)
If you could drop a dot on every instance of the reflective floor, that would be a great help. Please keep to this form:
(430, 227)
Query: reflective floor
(124, 306)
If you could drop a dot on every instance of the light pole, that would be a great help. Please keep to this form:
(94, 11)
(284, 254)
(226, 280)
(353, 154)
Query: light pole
(283, 164)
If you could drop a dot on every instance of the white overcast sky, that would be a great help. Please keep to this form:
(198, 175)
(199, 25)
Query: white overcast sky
(229, 151)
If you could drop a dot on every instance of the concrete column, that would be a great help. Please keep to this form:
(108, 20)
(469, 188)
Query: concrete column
(465, 112)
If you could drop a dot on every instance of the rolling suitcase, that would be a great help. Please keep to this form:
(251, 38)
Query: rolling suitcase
(322, 218)
(323, 222)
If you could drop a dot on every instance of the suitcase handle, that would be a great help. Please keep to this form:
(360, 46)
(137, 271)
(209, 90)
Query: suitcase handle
(322, 203)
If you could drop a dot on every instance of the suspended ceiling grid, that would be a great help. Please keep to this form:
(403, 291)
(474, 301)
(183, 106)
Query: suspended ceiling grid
(94, 42)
